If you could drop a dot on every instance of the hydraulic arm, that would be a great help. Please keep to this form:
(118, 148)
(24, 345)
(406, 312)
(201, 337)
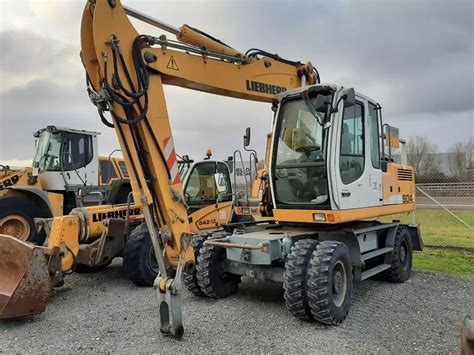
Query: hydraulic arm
(126, 72)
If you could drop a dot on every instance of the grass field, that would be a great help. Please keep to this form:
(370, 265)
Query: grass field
(440, 229)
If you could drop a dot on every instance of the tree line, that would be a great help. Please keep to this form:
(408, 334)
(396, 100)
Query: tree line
(425, 158)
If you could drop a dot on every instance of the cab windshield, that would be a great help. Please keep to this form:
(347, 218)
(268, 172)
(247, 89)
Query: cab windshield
(300, 166)
(47, 152)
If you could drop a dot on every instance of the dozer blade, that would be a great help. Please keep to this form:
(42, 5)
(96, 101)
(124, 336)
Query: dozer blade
(25, 285)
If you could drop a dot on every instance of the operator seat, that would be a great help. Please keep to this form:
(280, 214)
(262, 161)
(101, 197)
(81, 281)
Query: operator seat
(346, 140)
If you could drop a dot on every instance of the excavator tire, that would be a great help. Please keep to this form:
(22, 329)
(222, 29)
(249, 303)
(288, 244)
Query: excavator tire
(329, 284)
(16, 219)
(190, 280)
(402, 257)
(139, 259)
(295, 277)
(212, 281)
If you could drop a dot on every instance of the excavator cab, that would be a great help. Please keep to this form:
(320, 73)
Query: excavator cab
(208, 193)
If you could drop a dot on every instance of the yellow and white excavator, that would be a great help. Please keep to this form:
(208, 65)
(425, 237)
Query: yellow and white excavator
(328, 173)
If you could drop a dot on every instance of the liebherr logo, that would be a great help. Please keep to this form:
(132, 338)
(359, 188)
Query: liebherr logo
(100, 216)
(264, 88)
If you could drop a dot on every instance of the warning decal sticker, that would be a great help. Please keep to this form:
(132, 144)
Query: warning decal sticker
(172, 64)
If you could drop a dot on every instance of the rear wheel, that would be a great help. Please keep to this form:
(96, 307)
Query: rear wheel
(16, 219)
(213, 280)
(295, 278)
(402, 257)
(139, 259)
(329, 286)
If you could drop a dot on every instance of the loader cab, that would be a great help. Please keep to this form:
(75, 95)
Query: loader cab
(65, 158)
(326, 152)
(206, 183)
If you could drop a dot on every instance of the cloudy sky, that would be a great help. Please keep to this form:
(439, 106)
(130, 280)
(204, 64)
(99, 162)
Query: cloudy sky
(415, 57)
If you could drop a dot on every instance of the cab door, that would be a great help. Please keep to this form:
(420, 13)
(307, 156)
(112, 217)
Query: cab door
(358, 178)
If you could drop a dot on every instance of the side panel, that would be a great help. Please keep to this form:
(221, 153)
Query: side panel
(398, 184)
(210, 217)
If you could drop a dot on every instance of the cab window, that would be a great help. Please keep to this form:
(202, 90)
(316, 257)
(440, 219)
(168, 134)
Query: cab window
(208, 183)
(123, 169)
(352, 152)
(107, 171)
(223, 184)
(373, 128)
(76, 151)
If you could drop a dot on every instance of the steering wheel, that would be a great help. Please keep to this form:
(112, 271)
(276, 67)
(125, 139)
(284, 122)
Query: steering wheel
(308, 149)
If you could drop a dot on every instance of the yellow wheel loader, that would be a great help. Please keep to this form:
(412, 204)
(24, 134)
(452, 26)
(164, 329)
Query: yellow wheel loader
(67, 172)
(330, 171)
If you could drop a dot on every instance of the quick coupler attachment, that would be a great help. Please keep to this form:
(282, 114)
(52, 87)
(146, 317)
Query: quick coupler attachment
(169, 301)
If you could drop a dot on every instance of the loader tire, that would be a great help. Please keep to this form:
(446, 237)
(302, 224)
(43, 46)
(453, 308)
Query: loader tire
(402, 257)
(295, 278)
(16, 219)
(212, 280)
(190, 280)
(329, 284)
(139, 259)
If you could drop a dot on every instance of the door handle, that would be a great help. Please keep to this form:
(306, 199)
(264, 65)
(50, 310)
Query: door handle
(345, 193)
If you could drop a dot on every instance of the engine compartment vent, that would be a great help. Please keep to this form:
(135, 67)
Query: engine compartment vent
(405, 174)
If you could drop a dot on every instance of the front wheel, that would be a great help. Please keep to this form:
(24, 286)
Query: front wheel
(139, 259)
(329, 284)
(190, 280)
(295, 278)
(212, 279)
(17, 219)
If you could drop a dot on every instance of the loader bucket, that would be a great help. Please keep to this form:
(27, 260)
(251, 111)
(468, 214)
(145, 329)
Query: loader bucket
(25, 286)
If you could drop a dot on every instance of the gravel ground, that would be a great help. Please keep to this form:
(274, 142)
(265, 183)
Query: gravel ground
(104, 312)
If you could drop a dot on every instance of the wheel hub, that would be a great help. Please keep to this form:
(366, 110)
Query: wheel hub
(339, 283)
(403, 254)
(16, 226)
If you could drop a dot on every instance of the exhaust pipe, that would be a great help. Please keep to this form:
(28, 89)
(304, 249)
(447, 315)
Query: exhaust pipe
(25, 284)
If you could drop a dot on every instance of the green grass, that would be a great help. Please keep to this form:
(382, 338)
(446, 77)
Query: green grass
(453, 262)
(441, 229)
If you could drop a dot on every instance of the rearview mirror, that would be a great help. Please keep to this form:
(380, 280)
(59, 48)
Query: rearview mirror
(349, 97)
(247, 137)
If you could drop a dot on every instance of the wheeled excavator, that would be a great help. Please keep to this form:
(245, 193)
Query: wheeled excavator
(328, 174)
